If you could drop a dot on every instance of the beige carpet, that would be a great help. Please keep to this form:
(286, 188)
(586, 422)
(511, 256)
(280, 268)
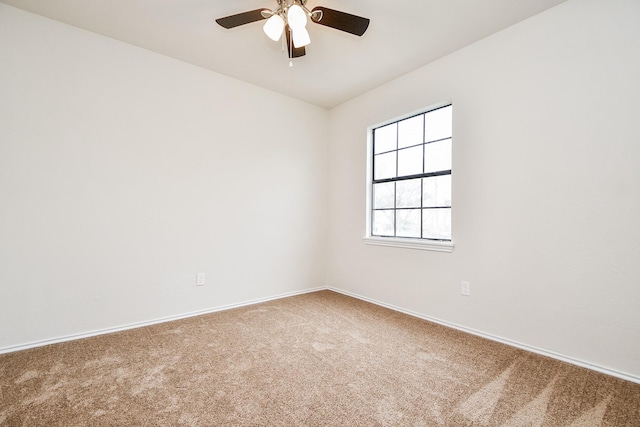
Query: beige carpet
(320, 359)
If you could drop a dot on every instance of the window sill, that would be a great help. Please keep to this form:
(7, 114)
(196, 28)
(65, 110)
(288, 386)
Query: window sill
(425, 245)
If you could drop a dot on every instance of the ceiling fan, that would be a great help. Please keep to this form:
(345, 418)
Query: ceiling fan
(290, 18)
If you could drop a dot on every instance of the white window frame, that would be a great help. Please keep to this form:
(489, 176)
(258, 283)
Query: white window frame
(398, 242)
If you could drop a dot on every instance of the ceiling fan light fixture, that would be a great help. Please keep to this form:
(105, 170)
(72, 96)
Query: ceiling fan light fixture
(273, 27)
(300, 37)
(296, 17)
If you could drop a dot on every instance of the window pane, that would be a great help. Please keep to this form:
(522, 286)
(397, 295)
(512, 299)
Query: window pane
(436, 191)
(437, 124)
(409, 203)
(384, 195)
(383, 223)
(408, 223)
(385, 166)
(384, 138)
(410, 131)
(437, 156)
(410, 161)
(436, 224)
(408, 194)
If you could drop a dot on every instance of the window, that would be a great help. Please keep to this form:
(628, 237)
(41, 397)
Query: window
(410, 181)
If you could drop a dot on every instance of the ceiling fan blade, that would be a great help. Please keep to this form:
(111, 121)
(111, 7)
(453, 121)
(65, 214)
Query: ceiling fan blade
(233, 21)
(341, 21)
(294, 52)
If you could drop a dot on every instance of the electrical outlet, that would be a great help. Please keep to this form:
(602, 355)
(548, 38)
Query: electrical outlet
(200, 278)
(465, 288)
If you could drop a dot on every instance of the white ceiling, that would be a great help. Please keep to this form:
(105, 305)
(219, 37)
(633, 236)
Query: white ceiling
(402, 36)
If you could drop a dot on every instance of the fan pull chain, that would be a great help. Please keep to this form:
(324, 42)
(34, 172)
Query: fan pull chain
(290, 48)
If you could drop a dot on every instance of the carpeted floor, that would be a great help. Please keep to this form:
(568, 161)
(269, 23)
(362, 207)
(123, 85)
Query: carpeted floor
(319, 359)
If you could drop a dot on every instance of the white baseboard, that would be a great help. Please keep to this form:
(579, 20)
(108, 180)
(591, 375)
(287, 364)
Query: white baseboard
(543, 352)
(74, 337)
(551, 354)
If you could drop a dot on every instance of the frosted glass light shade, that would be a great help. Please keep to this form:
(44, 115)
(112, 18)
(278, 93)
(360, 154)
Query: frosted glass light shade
(273, 27)
(296, 17)
(300, 37)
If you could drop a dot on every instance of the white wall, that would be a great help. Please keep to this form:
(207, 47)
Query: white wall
(124, 173)
(546, 197)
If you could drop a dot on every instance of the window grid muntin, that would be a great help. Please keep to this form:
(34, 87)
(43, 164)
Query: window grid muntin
(396, 178)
